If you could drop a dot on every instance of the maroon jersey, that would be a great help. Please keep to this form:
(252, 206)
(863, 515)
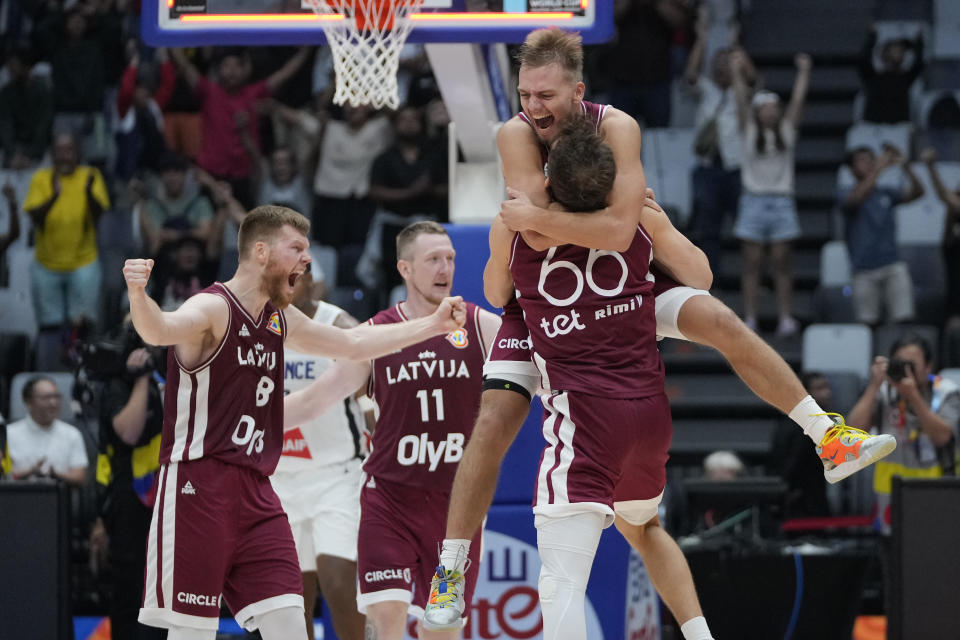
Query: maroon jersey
(229, 407)
(428, 395)
(591, 317)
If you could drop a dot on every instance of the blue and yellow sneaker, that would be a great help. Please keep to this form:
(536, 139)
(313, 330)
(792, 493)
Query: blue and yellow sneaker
(444, 610)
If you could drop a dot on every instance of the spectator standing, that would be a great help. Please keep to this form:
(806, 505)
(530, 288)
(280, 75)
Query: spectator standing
(880, 278)
(792, 459)
(283, 183)
(78, 43)
(26, 113)
(638, 64)
(767, 213)
(342, 209)
(41, 445)
(182, 119)
(230, 109)
(175, 214)
(904, 399)
(951, 231)
(131, 420)
(140, 100)
(887, 91)
(65, 203)
(407, 183)
(716, 179)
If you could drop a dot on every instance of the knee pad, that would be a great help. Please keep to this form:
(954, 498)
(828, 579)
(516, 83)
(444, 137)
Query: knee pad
(638, 512)
(567, 546)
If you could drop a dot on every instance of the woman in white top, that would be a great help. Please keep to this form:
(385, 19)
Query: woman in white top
(767, 213)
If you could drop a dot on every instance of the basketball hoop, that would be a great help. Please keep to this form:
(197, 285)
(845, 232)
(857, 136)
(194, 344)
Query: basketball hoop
(366, 46)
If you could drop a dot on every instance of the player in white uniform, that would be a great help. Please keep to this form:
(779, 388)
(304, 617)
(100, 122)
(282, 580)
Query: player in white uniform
(318, 481)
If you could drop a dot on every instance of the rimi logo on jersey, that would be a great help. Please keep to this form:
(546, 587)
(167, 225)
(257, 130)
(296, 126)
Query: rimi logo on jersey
(274, 324)
(458, 339)
(295, 445)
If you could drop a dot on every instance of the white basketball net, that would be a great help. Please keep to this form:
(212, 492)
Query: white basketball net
(366, 61)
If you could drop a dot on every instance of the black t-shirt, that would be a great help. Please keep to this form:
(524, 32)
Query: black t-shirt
(116, 393)
(392, 170)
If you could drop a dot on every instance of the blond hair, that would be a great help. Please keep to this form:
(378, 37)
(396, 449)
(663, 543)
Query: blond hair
(409, 234)
(553, 46)
(263, 223)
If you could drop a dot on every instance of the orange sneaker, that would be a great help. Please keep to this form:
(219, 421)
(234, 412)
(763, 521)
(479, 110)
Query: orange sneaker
(844, 450)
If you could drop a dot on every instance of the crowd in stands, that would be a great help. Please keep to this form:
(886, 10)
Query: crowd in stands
(111, 149)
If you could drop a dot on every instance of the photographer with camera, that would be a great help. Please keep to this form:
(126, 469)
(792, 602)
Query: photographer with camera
(131, 420)
(921, 410)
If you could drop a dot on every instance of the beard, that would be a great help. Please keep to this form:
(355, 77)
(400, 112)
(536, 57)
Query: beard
(274, 283)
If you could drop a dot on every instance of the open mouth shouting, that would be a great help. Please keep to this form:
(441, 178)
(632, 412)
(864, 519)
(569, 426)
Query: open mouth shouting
(544, 122)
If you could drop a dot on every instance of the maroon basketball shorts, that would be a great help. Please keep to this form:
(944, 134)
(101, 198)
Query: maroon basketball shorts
(397, 552)
(217, 529)
(603, 454)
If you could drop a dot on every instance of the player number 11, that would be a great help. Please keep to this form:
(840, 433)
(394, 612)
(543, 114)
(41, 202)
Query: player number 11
(425, 404)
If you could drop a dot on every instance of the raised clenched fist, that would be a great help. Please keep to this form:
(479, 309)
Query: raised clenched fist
(136, 272)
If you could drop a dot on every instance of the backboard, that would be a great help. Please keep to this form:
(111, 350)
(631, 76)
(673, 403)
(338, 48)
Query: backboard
(289, 22)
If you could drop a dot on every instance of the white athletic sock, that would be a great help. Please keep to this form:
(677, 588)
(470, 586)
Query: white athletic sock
(805, 415)
(454, 552)
(696, 629)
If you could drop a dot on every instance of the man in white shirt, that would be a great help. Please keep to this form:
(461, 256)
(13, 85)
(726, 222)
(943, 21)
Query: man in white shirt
(41, 445)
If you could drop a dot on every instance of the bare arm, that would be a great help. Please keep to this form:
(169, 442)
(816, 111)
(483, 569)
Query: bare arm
(862, 190)
(489, 325)
(340, 381)
(691, 72)
(740, 90)
(279, 77)
(673, 251)
(366, 342)
(914, 190)
(201, 318)
(862, 415)
(801, 83)
(128, 423)
(949, 198)
(610, 229)
(497, 281)
(189, 71)
(76, 477)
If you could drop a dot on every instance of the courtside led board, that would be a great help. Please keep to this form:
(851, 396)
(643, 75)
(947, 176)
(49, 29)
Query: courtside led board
(289, 22)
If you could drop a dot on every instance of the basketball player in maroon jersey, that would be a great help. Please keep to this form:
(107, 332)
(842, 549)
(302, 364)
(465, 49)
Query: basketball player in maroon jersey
(551, 92)
(427, 395)
(218, 527)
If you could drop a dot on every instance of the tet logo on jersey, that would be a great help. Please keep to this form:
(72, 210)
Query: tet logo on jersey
(274, 324)
(458, 338)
